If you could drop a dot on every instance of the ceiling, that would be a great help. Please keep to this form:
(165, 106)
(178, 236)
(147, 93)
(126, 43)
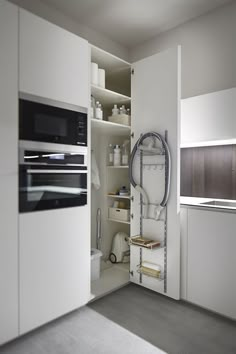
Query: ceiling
(131, 22)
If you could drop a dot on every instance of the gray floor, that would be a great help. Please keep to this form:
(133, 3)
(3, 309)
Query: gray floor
(83, 332)
(173, 326)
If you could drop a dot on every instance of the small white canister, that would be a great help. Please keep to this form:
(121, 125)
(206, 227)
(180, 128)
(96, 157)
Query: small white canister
(101, 78)
(94, 74)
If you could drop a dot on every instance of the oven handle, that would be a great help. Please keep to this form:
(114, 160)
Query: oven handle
(32, 171)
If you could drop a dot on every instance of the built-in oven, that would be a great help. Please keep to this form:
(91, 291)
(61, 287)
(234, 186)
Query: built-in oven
(49, 121)
(51, 179)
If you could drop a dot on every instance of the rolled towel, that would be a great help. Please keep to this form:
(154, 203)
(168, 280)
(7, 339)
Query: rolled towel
(151, 269)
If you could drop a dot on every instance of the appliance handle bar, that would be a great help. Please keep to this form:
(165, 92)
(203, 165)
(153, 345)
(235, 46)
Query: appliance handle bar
(32, 171)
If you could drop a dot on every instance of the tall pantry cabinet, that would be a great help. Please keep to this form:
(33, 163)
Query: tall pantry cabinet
(44, 256)
(8, 171)
(155, 107)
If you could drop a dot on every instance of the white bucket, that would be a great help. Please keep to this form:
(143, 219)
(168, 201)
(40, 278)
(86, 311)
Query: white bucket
(95, 264)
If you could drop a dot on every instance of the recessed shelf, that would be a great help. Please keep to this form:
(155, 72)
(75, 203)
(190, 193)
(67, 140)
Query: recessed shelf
(108, 97)
(107, 61)
(118, 196)
(121, 222)
(110, 128)
(112, 167)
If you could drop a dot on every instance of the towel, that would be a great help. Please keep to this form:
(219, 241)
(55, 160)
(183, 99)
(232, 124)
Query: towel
(95, 179)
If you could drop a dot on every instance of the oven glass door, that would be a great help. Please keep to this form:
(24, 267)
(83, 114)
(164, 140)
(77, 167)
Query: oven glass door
(50, 124)
(51, 187)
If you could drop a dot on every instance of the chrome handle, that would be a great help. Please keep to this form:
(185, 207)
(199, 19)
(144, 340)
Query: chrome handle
(32, 171)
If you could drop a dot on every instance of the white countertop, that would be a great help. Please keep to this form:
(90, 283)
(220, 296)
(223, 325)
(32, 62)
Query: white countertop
(194, 201)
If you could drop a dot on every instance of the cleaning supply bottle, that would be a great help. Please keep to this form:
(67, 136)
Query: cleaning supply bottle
(97, 110)
(100, 112)
(125, 155)
(117, 155)
(122, 109)
(115, 110)
(92, 107)
(110, 155)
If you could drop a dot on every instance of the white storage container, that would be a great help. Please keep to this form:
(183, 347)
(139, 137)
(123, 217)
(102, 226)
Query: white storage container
(120, 119)
(95, 264)
(119, 214)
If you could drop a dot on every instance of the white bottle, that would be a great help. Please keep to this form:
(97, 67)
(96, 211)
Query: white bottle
(125, 156)
(115, 110)
(122, 109)
(110, 155)
(100, 112)
(117, 155)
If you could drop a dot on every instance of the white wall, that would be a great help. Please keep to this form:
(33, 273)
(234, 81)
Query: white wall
(55, 16)
(208, 51)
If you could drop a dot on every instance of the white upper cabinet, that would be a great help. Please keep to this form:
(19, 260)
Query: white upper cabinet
(8, 172)
(208, 117)
(54, 63)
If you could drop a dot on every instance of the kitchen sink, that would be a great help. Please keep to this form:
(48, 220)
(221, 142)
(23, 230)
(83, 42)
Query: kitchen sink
(220, 204)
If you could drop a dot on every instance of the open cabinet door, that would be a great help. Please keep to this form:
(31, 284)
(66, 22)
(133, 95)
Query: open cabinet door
(156, 108)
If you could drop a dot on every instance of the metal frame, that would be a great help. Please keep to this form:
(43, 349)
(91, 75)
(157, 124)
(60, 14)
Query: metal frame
(165, 220)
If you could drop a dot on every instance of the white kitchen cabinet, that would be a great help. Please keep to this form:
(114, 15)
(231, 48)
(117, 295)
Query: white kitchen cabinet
(183, 251)
(155, 88)
(8, 87)
(211, 260)
(54, 63)
(54, 264)
(8, 172)
(208, 117)
(8, 258)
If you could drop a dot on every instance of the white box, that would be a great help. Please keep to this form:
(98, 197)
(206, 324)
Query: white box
(119, 214)
(124, 119)
(95, 264)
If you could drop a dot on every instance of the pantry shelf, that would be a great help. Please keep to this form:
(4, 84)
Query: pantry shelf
(107, 61)
(108, 97)
(119, 221)
(112, 167)
(110, 128)
(119, 196)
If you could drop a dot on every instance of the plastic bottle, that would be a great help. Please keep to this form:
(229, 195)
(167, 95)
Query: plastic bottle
(92, 111)
(100, 112)
(117, 155)
(97, 110)
(125, 155)
(115, 110)
(122, 109)
(110, 155)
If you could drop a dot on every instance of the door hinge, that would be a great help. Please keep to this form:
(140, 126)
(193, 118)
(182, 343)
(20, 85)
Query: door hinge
(132, 135)
(131, 273)
(132, 71)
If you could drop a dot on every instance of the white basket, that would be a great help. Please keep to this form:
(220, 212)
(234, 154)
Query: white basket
(119, 214)
(124, 119)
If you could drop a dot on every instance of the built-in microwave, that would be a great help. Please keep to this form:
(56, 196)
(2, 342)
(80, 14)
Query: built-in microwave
(51, 121)
(50, 179)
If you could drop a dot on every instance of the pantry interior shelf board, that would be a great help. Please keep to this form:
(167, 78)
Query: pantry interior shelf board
(108, 97)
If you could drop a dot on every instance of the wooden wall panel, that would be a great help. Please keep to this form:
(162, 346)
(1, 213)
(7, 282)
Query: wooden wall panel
(209, 172)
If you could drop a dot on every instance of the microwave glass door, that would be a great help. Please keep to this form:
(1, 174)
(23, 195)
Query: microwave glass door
(50, 124)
